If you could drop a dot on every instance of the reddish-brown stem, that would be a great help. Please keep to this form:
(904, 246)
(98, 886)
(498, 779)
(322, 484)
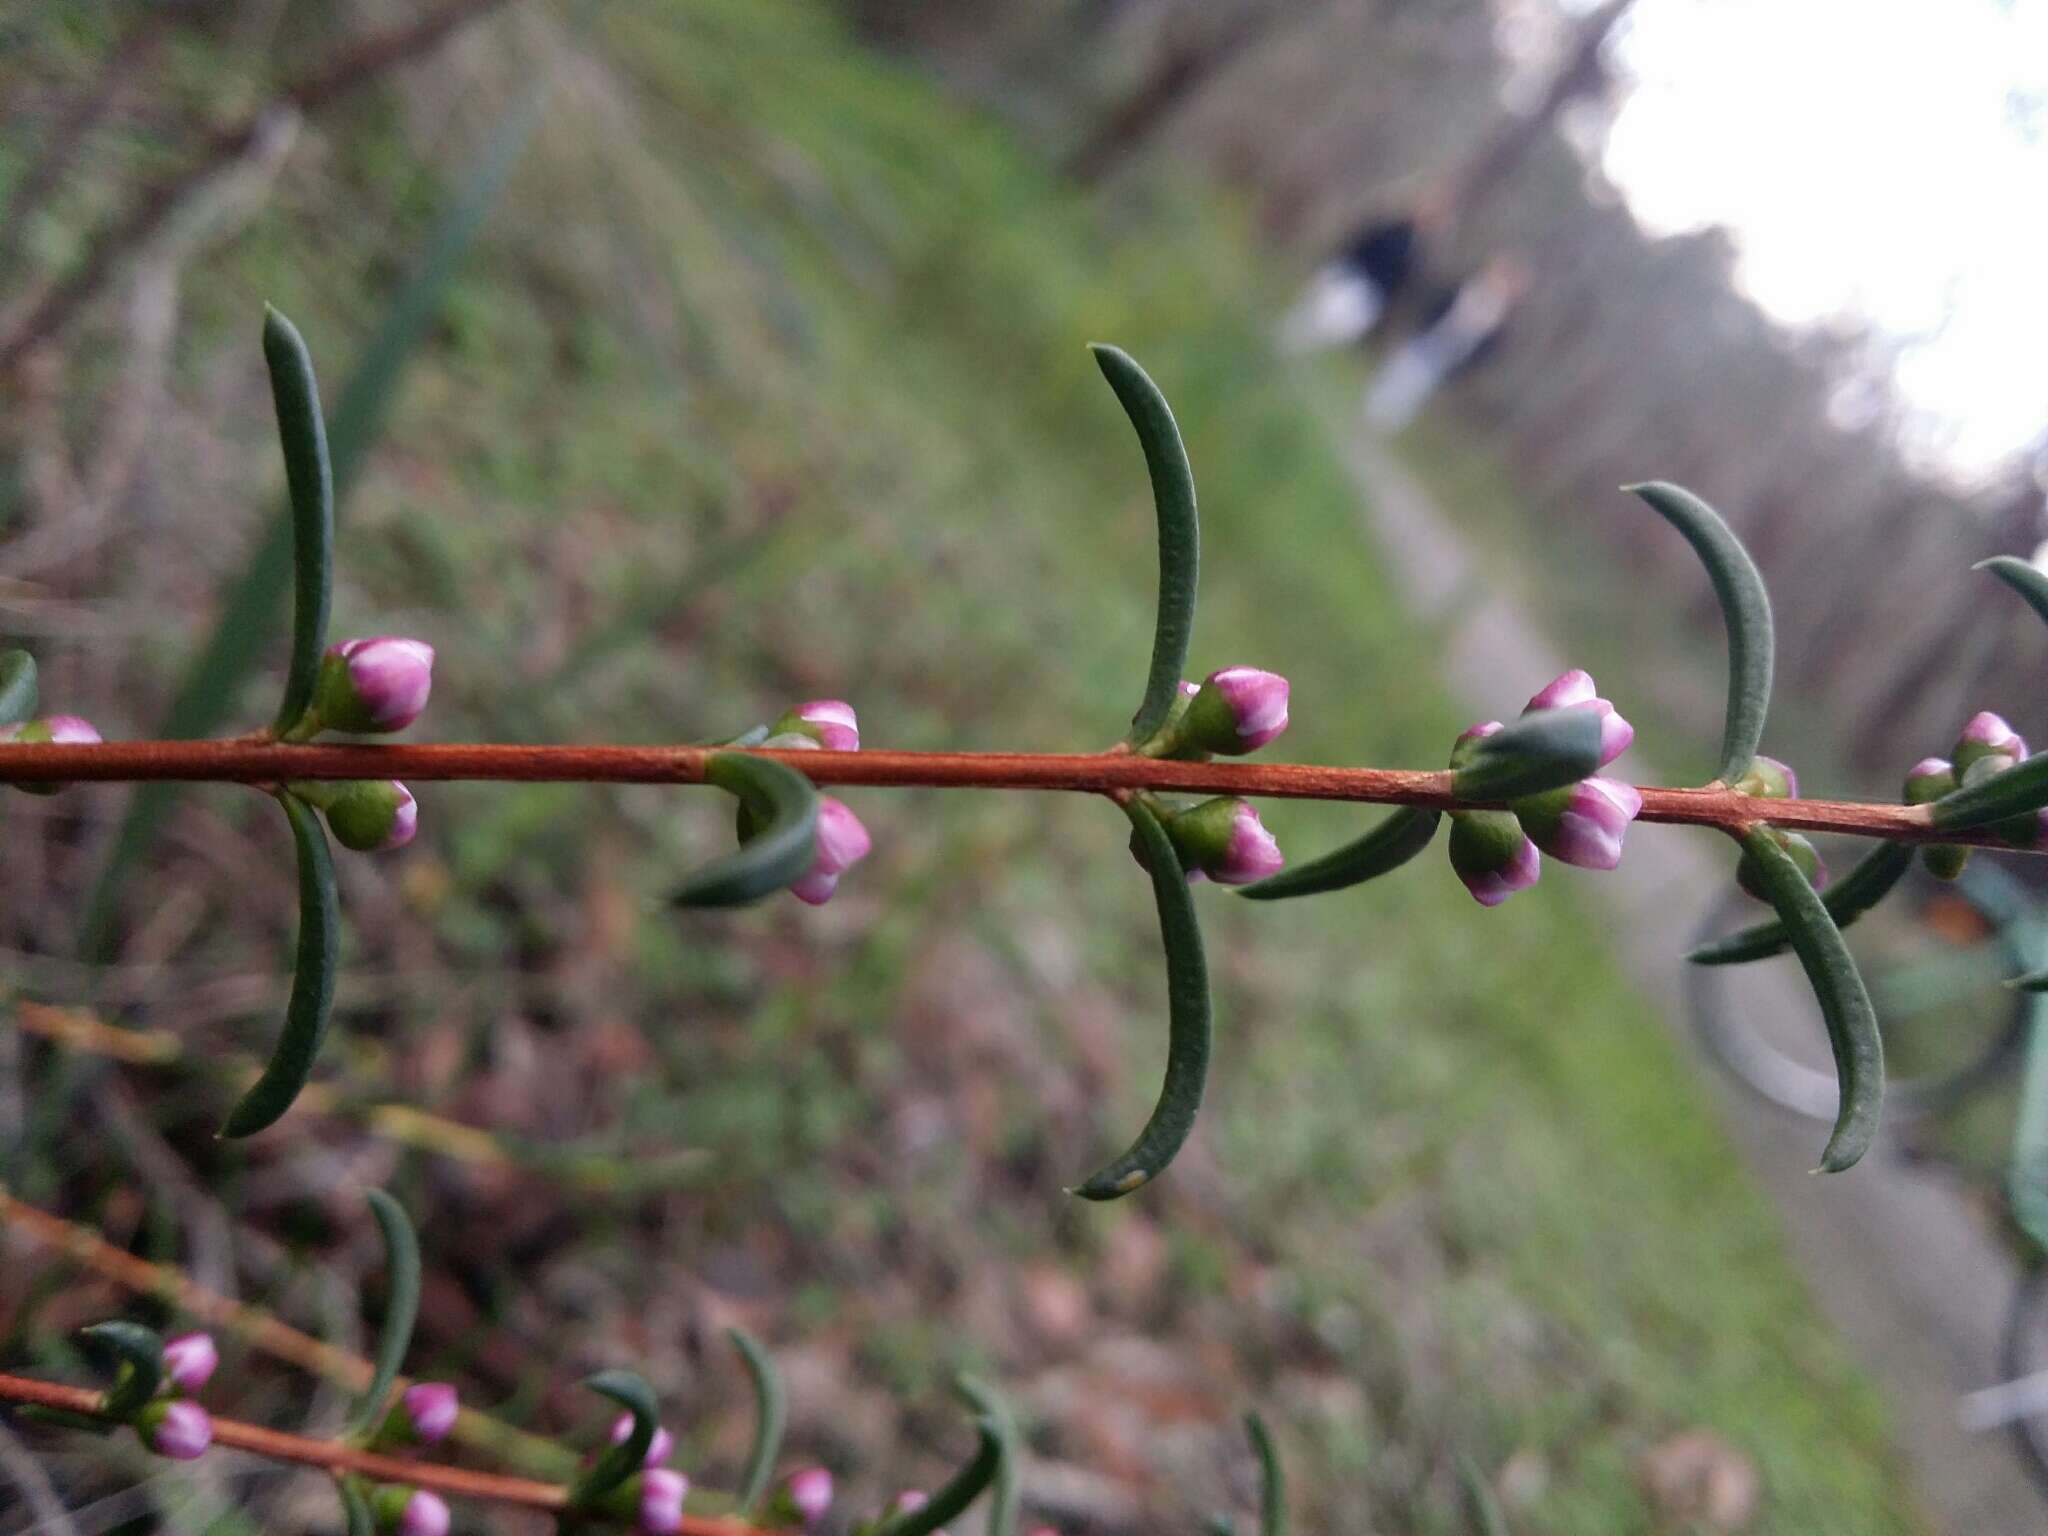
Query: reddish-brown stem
(1108, 773)
(459, 1482)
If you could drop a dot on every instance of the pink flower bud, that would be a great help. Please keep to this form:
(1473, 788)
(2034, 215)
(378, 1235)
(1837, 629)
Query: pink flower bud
(56, 730)
(1768, 779)
(430, 1408)
(1492, 856)
(1221, 840)
(425, 1514)
(378, 684)
(661, 1501)
(1574, 690)
(830, 722)
(1253, 710)
(1987, 735)
(908, 1500)
(369, 815)
(1929, 779)
(810, 1492)
(178, 1428)
(657, 1449)
(1583, 823)
(842, 843)
(189, 1360)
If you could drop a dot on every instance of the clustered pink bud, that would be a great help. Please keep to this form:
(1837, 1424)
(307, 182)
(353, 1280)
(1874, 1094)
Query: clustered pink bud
(1576, 690)
(661, 1501)
(425, 1514)
(177, 1428)
(842, 843)
(810, 1492)
(831, 722)
(430, 1409)
(378, 684)
(1492, 856)
(658, 1448)
(1257, 701)
(189, 1360)
(1988, 735)
(1583, 823)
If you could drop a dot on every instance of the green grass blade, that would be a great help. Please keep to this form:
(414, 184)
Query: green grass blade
(1545, 749)
(401, 1308)
(1844, 1004)
(312, 999)
(2014, 792)
(1745, 608)
(1188, 1023)
(960, 1490)
(770, 1413)
(622, 1460)
(1485, 1511)
(1384, 849)
(1846, 900)
(1002, 1424)
(213, 684)
(17, 687)
(786, 806)
(1180, 543)
(138, 1355)
(309, 482)
(1272, 1479)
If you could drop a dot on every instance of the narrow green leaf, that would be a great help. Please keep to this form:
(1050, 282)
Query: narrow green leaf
(1844, 1004)
(354, 1507)
(213, 683)
(2014, 792)
(312, 1000)
(1180, 542)
(2023, 578)
(961, 1490)
(1188, 1027)
(1846, 900)
(1002, 1424)
(1745, 608)
(1544, 749)
(138, 1355)
(1485, 1512)
(1272, 1480)
(769, 1414)
(622, 1460)
(785, 807)
(309, 482)
(401, 1307)
(2032, 981)
(1384, 849)
(17, 687)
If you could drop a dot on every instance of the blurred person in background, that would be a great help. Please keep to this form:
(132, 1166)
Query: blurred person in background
(1351, 292)
(1460, 327)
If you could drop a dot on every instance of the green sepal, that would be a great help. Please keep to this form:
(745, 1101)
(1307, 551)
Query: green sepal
(1396, 840)
(138, 1356)
(1188, 1022)
(312, 999)
(1844, 1003)
(17, 687)
(1543, 750)
(1846, 900)
(309, 480)
(623, 1459)
(770, 1414)
(784, 807)
(1745, 609)
(401, 1307)
(1173, 498)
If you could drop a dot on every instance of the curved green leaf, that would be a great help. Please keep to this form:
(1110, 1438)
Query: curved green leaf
(621, 1460)
(1001, 1423)
(1188, 1032)
(354, 1507)
(138, 1356)
(785, 808)
(1543, 750)
(1844, 1004)
(1180, 543)
(961, 1490)
(1272, 1481)
(2023, 578)
(312, 999)
(2015, 792)
(2031, 981)
(769, 1414)
(1846, 900)
(17, 687)
(1384, 849)
(401, 1307)
(309, 478)
(1745, 608)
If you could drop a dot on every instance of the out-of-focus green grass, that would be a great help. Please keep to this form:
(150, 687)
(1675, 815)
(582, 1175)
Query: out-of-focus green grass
(771, 383)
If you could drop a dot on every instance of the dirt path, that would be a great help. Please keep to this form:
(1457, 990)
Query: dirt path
(1893, 1252)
